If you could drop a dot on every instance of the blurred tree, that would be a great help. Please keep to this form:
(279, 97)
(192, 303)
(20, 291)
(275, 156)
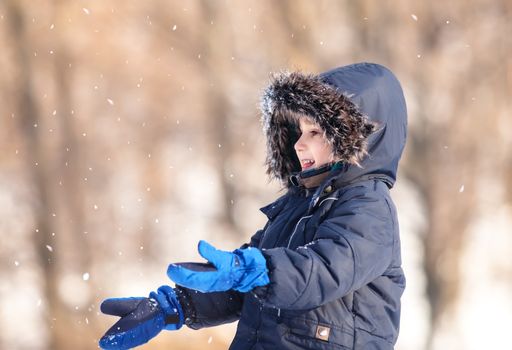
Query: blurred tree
(57, 166)
(37, 163)
(442, 166)
(214, 65)
(450, 141)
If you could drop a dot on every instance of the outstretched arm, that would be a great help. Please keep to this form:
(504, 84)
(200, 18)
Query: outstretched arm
(209, 309)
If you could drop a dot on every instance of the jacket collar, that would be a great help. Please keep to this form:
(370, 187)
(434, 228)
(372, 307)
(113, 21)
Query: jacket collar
(311, 178)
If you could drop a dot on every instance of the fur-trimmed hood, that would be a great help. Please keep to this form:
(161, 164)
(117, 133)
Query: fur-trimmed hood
(360, 107)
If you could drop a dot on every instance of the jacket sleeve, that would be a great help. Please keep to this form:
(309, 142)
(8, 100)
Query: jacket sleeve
(212, 309)
(351, 247)
(209, 309)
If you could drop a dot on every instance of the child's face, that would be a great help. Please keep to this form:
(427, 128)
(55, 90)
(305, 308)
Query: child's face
(312, 148)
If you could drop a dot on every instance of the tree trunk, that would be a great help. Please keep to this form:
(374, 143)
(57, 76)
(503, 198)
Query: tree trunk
(38, 166)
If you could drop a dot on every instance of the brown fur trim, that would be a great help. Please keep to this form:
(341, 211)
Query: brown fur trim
(291, 95)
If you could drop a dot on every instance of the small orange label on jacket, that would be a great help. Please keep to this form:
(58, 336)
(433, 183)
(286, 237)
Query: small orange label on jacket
(322, 333)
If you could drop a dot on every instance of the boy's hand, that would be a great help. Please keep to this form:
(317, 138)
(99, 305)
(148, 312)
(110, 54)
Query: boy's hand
(242, 270)
(141, 318)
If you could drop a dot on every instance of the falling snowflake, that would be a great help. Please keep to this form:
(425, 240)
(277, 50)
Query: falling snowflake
(110, 101)
(49, 247)
(85, 276)
(414, 17)
(461, 189)
(86, 11)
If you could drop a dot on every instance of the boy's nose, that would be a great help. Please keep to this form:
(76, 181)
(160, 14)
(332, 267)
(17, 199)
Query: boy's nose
(299, 145)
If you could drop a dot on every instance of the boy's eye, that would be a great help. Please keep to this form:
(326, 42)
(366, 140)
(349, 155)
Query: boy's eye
(314, 132)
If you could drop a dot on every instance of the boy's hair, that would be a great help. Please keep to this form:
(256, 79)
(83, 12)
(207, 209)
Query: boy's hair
(291, 96)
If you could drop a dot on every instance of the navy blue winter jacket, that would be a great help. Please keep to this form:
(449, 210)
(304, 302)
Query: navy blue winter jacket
(333, 251)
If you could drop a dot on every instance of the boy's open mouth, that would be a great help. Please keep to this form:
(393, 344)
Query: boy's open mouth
(307, 163)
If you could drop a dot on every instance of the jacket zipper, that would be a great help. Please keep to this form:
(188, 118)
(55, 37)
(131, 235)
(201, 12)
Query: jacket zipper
(305, 217)
(295, 230)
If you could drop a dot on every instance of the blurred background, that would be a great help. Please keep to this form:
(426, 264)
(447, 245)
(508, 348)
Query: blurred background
(130, 130)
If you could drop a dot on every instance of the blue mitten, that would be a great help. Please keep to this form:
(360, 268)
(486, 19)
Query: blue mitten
(141, 318)
(242, 270)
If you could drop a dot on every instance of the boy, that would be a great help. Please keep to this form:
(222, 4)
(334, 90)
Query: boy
(325, 271)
